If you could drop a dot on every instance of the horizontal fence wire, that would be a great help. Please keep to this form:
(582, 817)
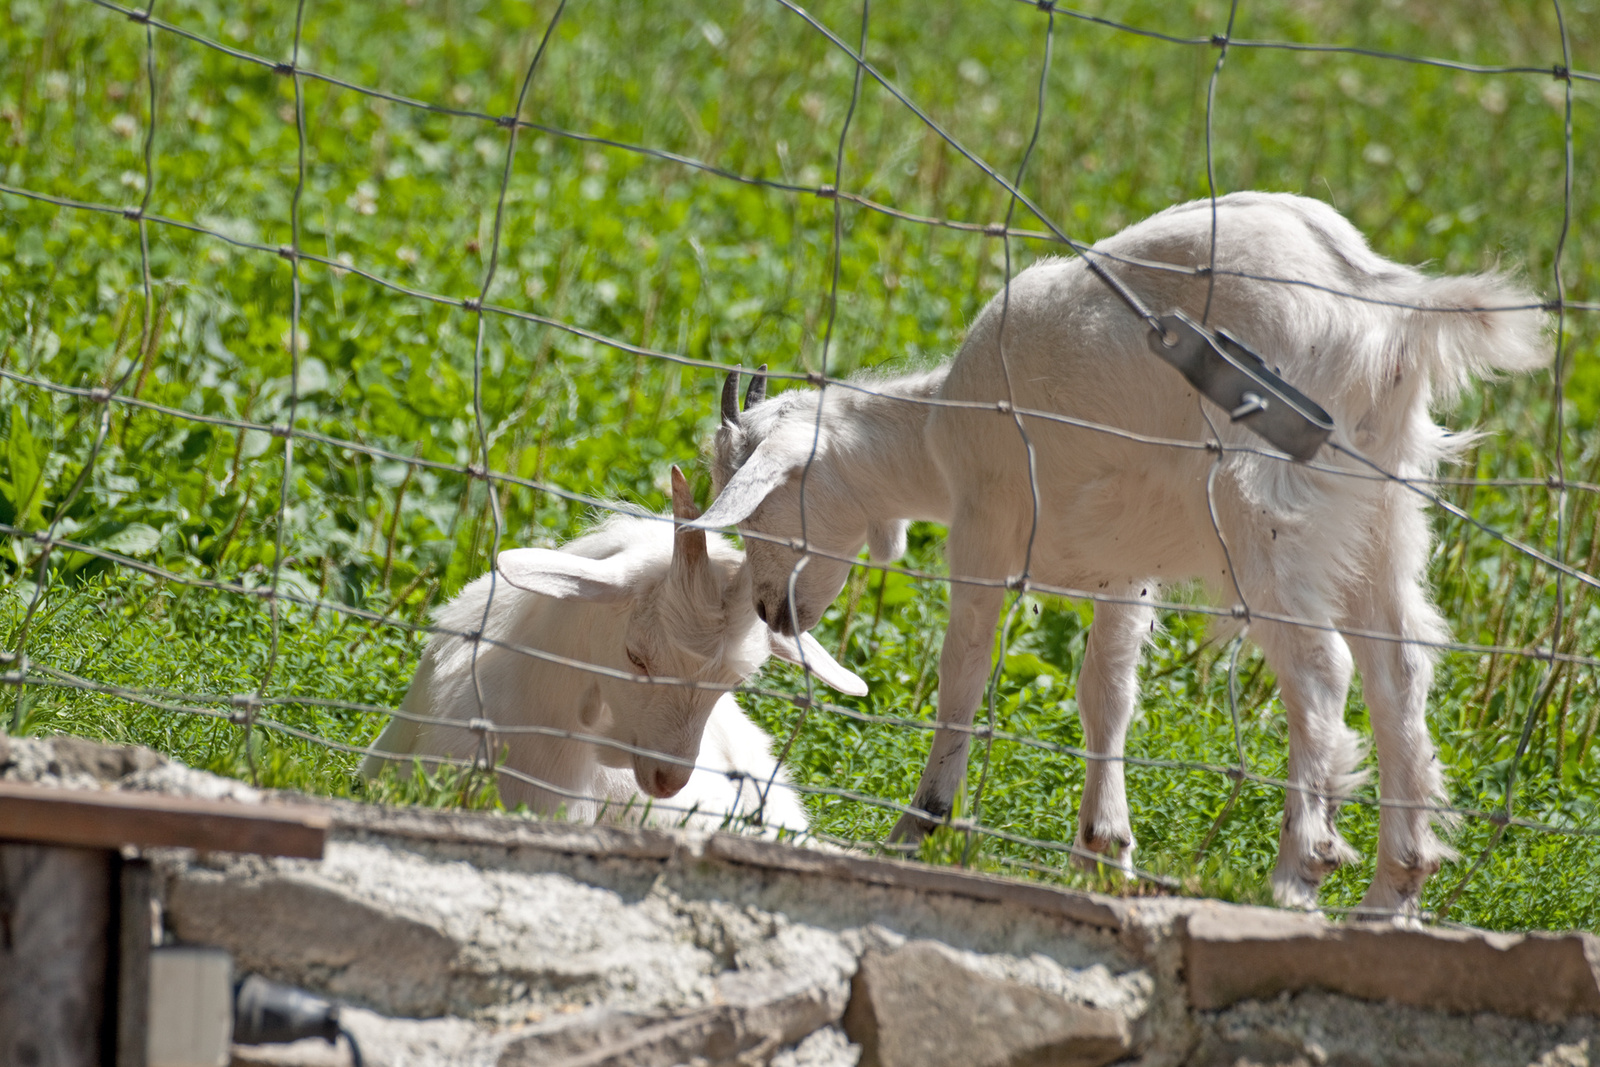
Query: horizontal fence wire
(246, 710)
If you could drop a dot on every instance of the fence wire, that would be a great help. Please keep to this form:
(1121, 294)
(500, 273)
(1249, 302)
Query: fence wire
(1557, 648)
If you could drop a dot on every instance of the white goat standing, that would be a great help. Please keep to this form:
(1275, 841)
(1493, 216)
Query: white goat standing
(1374, 342)
(632, 597)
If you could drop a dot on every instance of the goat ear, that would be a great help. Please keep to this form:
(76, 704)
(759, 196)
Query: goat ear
(886, 541)
(689, 543)
(764, 471)
(808, 652)
(563, 575)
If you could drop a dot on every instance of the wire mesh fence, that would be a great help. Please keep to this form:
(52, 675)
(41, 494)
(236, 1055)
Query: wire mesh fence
(288, 408)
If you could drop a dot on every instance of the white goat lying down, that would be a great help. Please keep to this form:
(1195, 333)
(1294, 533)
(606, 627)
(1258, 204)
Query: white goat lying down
(1122, 518)
(635, 597)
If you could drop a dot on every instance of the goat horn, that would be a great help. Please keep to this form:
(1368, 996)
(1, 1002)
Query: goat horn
(758, 388)
(730, 398)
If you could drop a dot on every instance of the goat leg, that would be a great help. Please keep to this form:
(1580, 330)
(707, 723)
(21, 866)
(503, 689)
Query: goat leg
(1108, 689)
(963, 677)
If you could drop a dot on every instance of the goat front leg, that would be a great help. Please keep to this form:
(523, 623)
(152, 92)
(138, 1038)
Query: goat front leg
(963, 678)
(1108, 689)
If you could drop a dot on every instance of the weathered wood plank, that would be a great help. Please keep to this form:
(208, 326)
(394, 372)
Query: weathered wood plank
(55, 926)
(112, 819)
(135, 922)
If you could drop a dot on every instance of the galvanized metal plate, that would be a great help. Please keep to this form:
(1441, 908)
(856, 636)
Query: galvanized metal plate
(1240, 383)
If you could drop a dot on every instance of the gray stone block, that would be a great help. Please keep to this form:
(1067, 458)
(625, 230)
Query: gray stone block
(918, 1007)
(1232, 954)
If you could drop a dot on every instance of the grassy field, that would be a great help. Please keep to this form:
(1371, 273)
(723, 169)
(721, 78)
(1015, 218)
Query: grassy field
(1447, 167)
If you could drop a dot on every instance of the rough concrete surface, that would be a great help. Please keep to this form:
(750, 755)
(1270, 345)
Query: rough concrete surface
(1316, 1029)
(460, 939)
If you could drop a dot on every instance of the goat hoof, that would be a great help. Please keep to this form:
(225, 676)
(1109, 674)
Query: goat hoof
(1327, 856)
(1396, 892)
(910, 830)
(1295, 891)
(1112, 849)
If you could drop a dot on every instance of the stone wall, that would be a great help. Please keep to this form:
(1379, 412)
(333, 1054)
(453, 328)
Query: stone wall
(467, 939)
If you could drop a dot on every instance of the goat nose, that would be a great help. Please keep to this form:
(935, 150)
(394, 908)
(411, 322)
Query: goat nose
(783, 620)
(669, 780)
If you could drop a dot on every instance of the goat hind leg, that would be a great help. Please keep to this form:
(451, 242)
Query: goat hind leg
(1395, 678)
(1107, 692)
(1314, 669)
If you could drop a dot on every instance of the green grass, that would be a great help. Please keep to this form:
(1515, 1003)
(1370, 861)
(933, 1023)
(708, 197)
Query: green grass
(1453, 169)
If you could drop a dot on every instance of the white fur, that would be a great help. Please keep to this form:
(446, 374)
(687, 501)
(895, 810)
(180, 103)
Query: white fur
(1120, 517)
(624, 590)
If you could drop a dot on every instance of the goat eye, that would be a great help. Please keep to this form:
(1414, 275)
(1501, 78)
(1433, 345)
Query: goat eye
(638, 661)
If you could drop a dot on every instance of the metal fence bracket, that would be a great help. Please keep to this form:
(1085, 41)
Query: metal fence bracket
(1239, 382)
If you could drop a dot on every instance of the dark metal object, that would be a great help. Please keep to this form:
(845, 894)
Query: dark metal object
(266, 1012)
(1239, 382)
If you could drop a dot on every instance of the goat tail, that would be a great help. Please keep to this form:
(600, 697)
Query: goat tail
(1471, 326)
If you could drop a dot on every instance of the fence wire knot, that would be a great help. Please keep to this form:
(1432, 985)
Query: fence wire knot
(1019, 584)
(827, 192)
(481, 726)
(288, 252)
(995, 229)
(133, 214)
(1239, 611)
(1234, 773)
(1219, 40)
(476, 470)
(1561, 73)
(280, 430)
(506, 122)
(472, 303)
(100, 394)
(139, 16)
(19, 661)
(245, 706)
(283, 67)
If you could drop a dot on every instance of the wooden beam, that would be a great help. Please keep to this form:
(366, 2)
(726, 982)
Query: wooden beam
(111, 819)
